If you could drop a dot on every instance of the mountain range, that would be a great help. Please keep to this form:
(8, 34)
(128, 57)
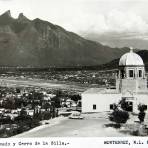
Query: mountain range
(38, 43)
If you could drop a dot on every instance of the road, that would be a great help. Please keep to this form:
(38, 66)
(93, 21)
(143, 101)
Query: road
(88, 127)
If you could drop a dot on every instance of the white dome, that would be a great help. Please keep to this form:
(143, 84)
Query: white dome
(131, 58)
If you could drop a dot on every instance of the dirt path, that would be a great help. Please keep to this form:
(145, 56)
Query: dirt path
(90, 126)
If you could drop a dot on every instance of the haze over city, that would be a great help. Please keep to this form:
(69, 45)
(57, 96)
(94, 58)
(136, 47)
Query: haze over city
(116, 23)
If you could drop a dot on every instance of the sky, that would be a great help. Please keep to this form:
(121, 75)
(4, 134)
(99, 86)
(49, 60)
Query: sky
(116, 23)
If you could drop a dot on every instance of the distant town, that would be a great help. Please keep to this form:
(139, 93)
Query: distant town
(24, 107)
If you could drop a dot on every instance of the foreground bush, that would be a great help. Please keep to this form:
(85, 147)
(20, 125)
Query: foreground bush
(119, 116)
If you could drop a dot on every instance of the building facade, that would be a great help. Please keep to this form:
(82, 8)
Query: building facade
(131, 85)
(131, 74)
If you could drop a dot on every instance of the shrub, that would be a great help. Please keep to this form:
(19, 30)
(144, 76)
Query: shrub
(141, 115)
(119, 116)
(142, 107)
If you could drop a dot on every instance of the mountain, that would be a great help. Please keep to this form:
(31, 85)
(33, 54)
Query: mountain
(38, 43)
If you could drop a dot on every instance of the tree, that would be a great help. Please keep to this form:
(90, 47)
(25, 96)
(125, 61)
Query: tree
(141, 114)
(18, 90)
(47, 106)
(9, 103)
(59, 93)
(119, 116)
(56, 102)
(23, 112)
(75, 97)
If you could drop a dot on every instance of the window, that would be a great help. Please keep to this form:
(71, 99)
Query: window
(122, 74)
(140, 73)
(131, 73)
(94, 106)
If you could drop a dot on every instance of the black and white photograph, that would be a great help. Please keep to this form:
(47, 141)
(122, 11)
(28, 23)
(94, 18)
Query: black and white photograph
(73, 68)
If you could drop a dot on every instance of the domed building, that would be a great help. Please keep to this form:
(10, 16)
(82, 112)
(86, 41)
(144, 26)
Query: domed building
(131, 75)
(131, 85)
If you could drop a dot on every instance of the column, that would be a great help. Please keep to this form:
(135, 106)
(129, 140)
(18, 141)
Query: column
(119, 74)
(127, 75)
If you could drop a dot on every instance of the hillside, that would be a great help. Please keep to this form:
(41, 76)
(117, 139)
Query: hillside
(38, 43)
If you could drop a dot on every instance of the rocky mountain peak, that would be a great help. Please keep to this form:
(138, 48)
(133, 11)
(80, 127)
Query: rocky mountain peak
(22, 18)
(7, 13)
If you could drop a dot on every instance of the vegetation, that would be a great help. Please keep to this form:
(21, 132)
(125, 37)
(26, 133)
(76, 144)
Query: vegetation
(119, 116)
(141, 115)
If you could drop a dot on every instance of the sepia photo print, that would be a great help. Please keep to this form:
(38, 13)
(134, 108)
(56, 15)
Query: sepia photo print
(73, 68)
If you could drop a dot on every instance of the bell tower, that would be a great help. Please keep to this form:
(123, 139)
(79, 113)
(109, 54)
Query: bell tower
(131, 74)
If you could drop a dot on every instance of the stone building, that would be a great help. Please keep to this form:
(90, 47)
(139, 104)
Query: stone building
(131, 75)
(131, 85)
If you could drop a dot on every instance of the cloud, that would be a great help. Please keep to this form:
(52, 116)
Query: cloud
(117, 28)
(116, 24)
(126, 22)
(118, 21)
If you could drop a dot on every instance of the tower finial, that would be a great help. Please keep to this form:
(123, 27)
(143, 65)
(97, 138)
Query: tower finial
(131, 49)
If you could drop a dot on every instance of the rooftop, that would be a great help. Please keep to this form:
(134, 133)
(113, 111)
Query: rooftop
(112, 91)
(131, 59)
(100, 91)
